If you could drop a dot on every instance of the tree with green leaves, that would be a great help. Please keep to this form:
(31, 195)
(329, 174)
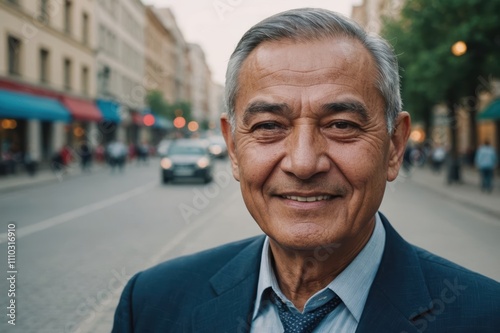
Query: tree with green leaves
(160, 106)
(423, 35)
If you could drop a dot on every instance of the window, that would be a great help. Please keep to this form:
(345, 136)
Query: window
(44, 65)
(67, 16)
(67, 74)
(14, 55)
(85, 80)
(102, 36)
(44, 11)
(85, 28)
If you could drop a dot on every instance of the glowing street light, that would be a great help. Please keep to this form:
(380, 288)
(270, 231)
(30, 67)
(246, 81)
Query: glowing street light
(417, 135)
(459, 48)
(179, 122)
(148, 120)
(193, 126)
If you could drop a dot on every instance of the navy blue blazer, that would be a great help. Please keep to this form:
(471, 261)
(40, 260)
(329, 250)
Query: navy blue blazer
(214, 292)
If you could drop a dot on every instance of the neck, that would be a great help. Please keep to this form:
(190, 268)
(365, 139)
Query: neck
(302, 273)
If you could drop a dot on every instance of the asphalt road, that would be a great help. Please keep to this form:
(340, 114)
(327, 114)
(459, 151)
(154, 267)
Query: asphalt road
(79, 240)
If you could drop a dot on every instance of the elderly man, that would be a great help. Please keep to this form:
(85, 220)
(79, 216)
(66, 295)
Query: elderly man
(314, 131)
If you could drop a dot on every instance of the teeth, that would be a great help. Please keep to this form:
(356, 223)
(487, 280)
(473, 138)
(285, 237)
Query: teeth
(307, 199)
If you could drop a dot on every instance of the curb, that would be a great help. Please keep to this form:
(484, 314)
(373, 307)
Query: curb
(43, 178)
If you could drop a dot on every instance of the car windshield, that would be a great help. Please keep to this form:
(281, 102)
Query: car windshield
(217, 140)
(186, 150)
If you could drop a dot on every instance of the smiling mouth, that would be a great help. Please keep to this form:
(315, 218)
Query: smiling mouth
(307, 199)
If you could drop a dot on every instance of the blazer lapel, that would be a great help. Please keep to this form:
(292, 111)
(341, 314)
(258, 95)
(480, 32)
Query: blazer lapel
(235, 286)
(399, 293)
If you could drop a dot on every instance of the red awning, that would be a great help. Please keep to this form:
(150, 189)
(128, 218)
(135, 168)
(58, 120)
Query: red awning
(82, 109)
(137, 118)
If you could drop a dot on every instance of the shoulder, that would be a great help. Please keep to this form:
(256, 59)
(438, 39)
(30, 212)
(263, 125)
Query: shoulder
(201, 265)
(163, 297)
(435, 266)
(191, 273)
(436, 294)
(459, 290)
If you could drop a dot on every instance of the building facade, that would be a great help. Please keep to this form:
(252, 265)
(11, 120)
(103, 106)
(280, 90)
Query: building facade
(371, 13)
(82, 71)
(200, 81)
(182, 66)
(216, 105)
(47, 53)
(120, 64)
(160, 56)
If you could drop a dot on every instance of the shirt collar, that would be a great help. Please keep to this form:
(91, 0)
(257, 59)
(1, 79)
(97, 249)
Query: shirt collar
(351, 285)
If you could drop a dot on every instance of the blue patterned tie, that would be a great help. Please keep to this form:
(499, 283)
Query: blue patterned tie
(303, 323)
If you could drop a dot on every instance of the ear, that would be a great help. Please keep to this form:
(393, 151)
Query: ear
(397, 148)
(225, 126)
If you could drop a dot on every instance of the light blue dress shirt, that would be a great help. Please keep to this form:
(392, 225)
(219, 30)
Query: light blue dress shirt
(351, 285)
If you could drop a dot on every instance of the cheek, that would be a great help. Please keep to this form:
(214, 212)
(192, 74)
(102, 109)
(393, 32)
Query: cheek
(254, 166)
(361, 165)
(257, 162)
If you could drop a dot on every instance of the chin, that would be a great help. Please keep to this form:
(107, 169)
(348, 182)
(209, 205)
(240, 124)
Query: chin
(310, 239)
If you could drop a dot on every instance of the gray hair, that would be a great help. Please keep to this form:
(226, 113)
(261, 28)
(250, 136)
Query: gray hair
(314, 23)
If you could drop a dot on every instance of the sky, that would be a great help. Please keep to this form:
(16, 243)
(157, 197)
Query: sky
(217, 25)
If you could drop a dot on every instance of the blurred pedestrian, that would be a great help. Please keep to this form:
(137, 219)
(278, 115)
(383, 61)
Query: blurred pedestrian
(142, 153)
(100, 153)
(486, 161)
(407, 158)
(30, 164)
(117, 152)
(61, 159)
(132, 151)
(438, 156)
(85, 156)
(66, 155)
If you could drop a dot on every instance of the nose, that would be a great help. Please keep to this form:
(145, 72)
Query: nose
(306, 153)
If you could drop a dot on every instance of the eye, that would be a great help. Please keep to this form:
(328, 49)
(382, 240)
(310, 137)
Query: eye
(267, 126)
(342, 130)
(342, 125)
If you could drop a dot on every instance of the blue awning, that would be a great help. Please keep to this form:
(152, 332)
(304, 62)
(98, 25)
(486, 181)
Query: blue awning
(26, 106)
(110, 110)
(491, 112)
(162, 123)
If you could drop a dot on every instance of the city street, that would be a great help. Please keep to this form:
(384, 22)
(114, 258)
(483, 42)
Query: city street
(80, 239)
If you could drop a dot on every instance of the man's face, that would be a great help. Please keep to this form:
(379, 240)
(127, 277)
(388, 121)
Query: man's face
(311, 148)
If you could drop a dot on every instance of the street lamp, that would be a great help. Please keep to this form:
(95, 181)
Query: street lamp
(459, 48)
(179, 122)
(193, 126)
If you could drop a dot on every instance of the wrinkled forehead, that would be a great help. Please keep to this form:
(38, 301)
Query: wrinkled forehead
(313, 61)
(340, 64)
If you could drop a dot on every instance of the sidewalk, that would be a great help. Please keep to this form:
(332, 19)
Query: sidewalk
(467, 193)
(22, 180)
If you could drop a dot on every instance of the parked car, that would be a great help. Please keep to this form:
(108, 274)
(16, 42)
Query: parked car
(187, 158)
(217, 146)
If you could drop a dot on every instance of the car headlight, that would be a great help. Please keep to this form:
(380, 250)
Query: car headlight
(165, 163)
(215, 150)
(203, 163)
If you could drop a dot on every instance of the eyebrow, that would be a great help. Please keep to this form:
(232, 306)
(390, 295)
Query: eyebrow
(283, 108)
(354, 107)
(264, 107)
